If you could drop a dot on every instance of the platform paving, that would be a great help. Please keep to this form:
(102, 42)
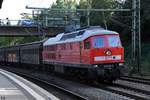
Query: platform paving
(13, 87)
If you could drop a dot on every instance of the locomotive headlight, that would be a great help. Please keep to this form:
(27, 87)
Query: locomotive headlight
(108, 52)
(121, 64)
(95, 66)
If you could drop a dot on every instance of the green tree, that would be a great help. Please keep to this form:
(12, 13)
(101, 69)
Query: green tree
(97, 18)
(102, 18)
(9, 41)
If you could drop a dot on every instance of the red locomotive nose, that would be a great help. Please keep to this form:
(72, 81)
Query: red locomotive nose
(108, 52)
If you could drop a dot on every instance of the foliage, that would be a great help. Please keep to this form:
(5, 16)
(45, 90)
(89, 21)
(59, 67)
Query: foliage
(145, 58)
(99, 18)
(126, 32)
(9, 41)
(66, 4)
(125, 18)
(62, 4)
(1, 1)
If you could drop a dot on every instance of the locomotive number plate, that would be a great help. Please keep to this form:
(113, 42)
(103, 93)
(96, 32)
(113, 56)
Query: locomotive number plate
(108, 57)
(103, 58)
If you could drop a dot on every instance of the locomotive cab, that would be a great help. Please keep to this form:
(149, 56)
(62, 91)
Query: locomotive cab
(106, 54)
(106, 49)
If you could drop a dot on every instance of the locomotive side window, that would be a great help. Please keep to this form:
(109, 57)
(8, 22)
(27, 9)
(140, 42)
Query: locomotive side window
(98, 42)
(87, 45)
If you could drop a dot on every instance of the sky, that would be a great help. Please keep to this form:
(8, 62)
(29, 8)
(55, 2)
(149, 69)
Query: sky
(13, 8)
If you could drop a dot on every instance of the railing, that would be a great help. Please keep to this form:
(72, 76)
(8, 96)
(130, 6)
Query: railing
(22, 22)
(7, 22)
(49, 22)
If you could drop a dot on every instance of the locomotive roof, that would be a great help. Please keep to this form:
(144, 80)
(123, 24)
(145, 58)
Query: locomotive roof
(79, 35)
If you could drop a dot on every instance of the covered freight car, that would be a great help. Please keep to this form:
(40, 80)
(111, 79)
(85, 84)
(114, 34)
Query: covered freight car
(12, 55)
(31, 53)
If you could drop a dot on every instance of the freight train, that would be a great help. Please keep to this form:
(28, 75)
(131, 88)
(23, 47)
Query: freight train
(92, 53)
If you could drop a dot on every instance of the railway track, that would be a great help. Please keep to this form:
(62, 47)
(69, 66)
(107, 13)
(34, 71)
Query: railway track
(90, 91)
(134, 87)
(124, 90)
(127, 91)
(136, 79)
(72, 95)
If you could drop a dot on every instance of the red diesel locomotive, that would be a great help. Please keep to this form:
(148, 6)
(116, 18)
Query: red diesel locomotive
(92, 52)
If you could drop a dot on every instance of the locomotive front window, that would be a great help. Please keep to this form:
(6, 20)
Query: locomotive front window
(98, 42)
(114, 41)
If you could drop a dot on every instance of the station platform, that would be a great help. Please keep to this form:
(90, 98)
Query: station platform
(13, 87)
